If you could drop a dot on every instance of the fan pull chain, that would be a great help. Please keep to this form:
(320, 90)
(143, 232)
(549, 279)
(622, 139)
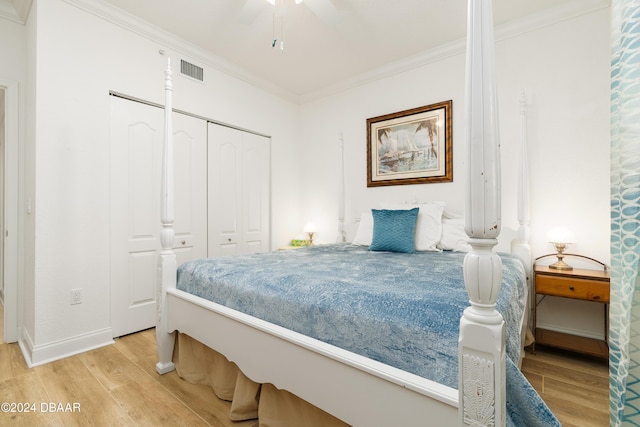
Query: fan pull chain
(278, 10)
(282, 34)
(275, 40)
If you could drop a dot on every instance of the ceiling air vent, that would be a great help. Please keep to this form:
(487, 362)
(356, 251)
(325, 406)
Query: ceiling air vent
(191, 70)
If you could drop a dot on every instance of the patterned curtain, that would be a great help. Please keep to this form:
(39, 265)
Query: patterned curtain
(624, 334)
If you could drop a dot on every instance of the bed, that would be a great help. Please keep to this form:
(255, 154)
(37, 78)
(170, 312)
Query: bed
(399, 309)
(459, 375)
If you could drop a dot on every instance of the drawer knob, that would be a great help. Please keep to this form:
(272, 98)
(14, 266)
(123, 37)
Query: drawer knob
(571, 288)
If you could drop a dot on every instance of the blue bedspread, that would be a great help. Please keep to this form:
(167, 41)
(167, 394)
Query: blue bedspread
(400, 309)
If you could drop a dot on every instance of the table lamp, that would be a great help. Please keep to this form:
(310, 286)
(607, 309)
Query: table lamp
(310, 229)
(560, 238)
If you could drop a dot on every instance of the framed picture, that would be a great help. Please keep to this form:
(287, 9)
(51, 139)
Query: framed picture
(410, 147)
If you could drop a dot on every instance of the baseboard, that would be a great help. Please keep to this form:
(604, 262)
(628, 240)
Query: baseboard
(593, 347)
(569, 331)
(35, 355)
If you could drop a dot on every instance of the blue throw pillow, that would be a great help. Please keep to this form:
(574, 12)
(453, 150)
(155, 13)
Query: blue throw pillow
(394, 230)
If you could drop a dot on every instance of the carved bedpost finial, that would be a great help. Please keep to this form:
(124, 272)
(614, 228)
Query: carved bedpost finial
(482, 343)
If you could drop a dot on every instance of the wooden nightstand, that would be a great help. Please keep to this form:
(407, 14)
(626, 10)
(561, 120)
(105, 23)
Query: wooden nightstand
(583, 284)
(290, 247)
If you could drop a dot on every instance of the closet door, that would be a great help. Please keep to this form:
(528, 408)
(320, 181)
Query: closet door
(239, 185)
(137, 132)
(256, 195)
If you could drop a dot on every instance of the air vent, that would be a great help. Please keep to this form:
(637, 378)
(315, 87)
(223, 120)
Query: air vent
(191, 70)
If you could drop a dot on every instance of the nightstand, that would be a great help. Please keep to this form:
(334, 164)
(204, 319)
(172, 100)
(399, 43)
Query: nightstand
(290, 247)
(583, 284)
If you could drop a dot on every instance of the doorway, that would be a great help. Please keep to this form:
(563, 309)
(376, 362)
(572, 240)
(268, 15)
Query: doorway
(9, 183)
(2, 209)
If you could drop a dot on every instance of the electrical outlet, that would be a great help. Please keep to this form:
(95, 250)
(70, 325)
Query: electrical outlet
(75, 296)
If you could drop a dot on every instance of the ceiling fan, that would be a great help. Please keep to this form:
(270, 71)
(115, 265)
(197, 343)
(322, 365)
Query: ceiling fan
(280, 9)
(323, 9)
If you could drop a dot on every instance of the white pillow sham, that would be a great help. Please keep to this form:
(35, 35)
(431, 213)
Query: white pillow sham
(454, 238)
(364, 235)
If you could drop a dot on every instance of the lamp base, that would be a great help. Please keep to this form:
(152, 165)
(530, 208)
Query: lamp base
(560, 265)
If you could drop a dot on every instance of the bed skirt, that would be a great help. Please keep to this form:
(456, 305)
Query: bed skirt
(273, 407)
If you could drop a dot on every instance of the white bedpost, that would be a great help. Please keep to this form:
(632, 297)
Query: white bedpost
(167, 263)
(481, 351)
(341, 234)
(522, 248)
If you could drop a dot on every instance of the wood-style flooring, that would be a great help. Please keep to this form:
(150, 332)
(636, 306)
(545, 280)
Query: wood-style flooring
(575, 387)
(117, 386)
(114, 385)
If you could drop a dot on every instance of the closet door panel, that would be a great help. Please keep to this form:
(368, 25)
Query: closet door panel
(256, 193)
(190, 176)
(137, 133)
(239, 187)
(225, 178)
(136, 149)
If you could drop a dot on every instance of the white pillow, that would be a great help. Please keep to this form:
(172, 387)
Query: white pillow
(447, 213)
(454, 237)
(364, 235)
(428, 225)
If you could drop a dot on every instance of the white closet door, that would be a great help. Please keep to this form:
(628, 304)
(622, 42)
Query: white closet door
(239, 185)
(136, 153)
(256, 193)
(225, 191)
(190, 159)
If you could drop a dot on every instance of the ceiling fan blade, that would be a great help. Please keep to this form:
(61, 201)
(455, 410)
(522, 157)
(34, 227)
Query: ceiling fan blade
(325, 10)
(251, 9)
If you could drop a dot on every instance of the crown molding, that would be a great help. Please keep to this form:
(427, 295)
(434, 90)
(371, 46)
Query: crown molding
(15, 10)
(505, 31)
(171, 42)
(22, 7)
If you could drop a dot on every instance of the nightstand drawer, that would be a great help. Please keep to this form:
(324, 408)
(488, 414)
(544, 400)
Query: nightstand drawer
(573, 288)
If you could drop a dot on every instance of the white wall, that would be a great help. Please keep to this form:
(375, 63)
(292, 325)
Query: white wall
(80, 57)
(563, 69)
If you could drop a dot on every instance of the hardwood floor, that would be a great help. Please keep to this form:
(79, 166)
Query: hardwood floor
(575, 387)
(113, 386)
(118, 386)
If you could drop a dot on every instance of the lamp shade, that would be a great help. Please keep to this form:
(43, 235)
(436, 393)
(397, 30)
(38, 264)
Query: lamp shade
(310, 228)
(561, 235)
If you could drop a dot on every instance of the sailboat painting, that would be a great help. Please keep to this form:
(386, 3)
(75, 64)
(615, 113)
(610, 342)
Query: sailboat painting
(410, 147)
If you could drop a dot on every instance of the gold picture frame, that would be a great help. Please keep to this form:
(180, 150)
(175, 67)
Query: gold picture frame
(410, 147)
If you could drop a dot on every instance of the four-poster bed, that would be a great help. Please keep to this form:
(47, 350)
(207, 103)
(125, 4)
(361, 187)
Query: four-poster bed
(365, 390)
